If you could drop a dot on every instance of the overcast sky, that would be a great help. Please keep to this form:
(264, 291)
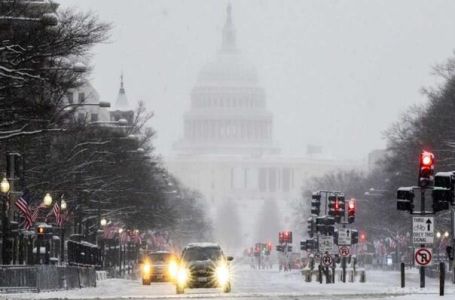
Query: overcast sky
(336, 73)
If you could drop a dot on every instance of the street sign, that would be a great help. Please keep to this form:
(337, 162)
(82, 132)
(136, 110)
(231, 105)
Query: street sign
(423, 230)
(344, 251)
(344, 237)
(325, 243)
(326, 260)
(423, 256)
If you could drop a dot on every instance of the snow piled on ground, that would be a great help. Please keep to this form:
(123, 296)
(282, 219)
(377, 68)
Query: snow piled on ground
(260, 284)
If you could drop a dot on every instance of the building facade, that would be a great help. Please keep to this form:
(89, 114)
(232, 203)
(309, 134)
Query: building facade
(227, 151)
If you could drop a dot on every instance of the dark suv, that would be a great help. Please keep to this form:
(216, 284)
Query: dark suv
(203, 265)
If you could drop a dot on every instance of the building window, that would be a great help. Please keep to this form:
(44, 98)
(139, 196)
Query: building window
(262, 179)
(286, 179)
(70, 97)
(81, 98)
(272, 179)
(81, 116)
(94, 117)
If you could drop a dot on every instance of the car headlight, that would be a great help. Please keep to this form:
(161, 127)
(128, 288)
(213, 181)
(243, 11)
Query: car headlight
(172, 269)
(182, 276)
(146, 268)
(222, 274)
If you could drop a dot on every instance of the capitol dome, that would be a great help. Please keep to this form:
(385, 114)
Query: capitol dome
(228, 113)
(228, 68)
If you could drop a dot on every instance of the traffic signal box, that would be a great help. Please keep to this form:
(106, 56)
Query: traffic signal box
(336, 205)
(282, 248)
(426, 169)
(325, 225)
(311, 226)
(316, 203)
(351, 211)
(285, 237)
(309, 245)
(405, 199)
(441, 186)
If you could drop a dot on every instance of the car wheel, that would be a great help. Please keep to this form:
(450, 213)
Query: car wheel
(227, 288)
(146, 281)
(179, 289)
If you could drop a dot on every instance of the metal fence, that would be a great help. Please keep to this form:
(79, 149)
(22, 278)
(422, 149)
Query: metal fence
(45, 277)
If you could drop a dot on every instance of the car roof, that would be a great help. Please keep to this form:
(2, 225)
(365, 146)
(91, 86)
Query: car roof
(203, 245)
(160, 252)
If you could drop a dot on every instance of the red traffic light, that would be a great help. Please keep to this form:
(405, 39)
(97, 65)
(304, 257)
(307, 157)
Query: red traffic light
(426, 158)
(363, 236)
(351, 204)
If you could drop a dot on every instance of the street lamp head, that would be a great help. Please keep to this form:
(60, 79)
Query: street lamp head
(47, 200)
(104, 104)
(120, 230)
(64, 205)
(79, 67)
(49, 19)
(123, 122)
(4, 185)
(103, 222)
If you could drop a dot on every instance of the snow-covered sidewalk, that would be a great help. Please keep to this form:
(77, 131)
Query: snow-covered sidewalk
(260, 284)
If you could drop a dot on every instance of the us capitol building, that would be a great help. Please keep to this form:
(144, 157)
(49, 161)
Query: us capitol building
(227, 151)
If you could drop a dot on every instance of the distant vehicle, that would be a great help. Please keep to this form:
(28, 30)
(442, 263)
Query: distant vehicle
(158, 266)
(203, 265)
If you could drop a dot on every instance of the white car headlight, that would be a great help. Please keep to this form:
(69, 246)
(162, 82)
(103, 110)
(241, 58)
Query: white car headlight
(182, 276)
(222, 275)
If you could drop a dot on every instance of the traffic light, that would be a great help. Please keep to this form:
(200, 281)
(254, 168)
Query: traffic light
(354, 237)
(446, 180)
(308, 245)
(316, 203)
(405, 199)
(441, 198)
(363, 237)
(426, 169)
(336, 206)
(351, 211)
(325, 225)
(311, 226)
(285, 237)
(450, 254)
(41, 231)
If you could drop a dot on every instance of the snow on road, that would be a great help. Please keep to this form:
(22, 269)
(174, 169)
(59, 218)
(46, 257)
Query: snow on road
(261, 284)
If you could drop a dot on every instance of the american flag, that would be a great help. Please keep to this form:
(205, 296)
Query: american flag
(36, 211)
(24, 209)
(57, 214)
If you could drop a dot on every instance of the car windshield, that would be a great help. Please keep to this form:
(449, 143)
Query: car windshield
(200, 253)
(160, 257)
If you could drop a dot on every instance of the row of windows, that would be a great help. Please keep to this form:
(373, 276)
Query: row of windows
(229, 129)
(83, 117)
(263, 179)
(71, 95)
(225, 101)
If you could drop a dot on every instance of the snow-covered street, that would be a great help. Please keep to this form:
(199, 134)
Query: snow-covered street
(254, 284)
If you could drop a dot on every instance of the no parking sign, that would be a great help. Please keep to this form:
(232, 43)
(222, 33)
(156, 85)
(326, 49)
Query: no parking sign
(423, 256)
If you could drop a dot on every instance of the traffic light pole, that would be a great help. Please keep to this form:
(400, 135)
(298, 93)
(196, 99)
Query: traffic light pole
(422, 211)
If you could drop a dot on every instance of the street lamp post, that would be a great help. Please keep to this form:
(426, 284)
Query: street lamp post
(4, 188)
(63, 207)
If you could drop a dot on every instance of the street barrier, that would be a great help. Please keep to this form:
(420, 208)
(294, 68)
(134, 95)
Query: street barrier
(83, 254)
(45, 277)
